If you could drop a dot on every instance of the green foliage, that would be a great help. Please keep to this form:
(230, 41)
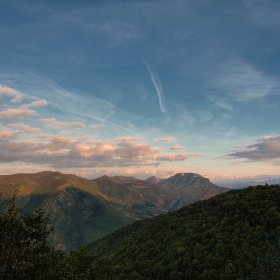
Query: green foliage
(26, 254)
(225, 237)
(268, 265)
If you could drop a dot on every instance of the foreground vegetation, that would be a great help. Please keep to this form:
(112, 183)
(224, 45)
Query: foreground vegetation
(26, 254)
(234, 235)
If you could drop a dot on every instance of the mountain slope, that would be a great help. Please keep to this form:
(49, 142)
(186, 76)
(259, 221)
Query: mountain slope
(184, 180)
(84, 210)
(80, 211)
(218, 238)
(153, 180)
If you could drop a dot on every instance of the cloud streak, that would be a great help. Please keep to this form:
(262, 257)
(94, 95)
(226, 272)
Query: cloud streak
(157, 85)
(244, 82)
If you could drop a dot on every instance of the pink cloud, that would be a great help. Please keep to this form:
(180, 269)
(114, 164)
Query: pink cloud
(177, 147)
(94, 149)
(52, 122)
(58, 151)
(128, 139)
(17, 113)
(165, 140)
(9, 134)
(133, 149)
(7, 91)
(10, 92)
(39, 103)
(24, 128)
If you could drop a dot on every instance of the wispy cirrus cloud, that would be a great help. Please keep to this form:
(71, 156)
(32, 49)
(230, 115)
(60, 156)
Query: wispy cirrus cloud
(264, 13)
(243, 81)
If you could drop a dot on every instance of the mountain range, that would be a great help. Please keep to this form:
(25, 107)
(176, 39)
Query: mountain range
(85, 210)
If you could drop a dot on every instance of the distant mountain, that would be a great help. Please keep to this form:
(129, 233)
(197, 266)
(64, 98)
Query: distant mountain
(184, 180)
(153, 180)
(84, 210)
(230, 236)
(239, 184)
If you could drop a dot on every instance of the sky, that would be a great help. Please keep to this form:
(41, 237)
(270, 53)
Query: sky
(140, 88)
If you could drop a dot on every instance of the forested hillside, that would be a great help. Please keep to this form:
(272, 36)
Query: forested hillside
(230, 236)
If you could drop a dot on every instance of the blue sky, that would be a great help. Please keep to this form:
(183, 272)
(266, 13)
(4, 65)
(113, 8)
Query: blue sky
(140, 88)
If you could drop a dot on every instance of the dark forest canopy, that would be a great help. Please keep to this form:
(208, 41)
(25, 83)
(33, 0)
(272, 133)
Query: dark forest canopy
(230, 236)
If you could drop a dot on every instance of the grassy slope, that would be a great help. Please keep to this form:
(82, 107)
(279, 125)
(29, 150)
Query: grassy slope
(219, 238)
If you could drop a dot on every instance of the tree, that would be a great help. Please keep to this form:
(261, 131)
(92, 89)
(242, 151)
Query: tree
(25, 251)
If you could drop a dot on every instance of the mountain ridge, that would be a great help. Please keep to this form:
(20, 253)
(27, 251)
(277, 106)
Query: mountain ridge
(84, 210)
